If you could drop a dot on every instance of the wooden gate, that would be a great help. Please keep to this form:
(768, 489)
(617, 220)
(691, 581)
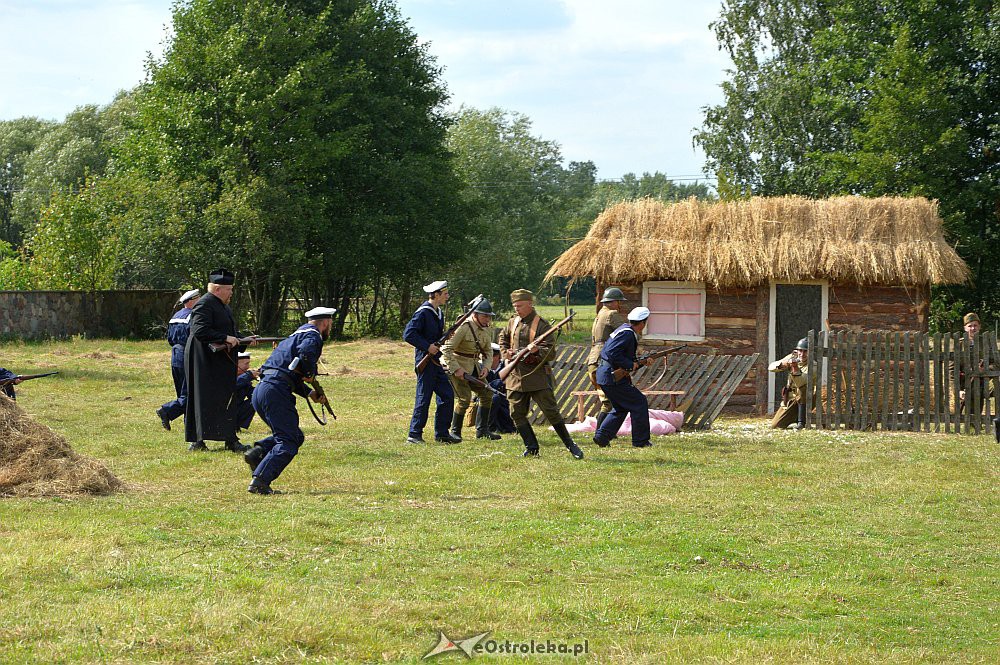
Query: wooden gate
(902, 381)
(708, 381)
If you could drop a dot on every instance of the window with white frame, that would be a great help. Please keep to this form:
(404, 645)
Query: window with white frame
(676, 310)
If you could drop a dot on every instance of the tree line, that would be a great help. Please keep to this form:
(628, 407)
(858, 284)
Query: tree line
(304, 145)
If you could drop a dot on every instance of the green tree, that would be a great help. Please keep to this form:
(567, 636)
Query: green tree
(18, 140)
(523, 198)
(77, 240)
(874, 97)
(307, 141)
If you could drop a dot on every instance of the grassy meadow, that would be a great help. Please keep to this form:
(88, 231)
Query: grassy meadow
(735, 545)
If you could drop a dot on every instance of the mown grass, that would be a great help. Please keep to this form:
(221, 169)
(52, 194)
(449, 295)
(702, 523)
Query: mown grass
(737, 545)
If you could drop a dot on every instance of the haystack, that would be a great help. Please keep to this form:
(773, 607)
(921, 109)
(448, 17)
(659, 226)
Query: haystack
(847, 239)
(35, 461)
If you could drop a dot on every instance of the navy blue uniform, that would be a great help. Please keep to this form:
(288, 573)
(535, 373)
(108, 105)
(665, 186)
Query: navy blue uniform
(619, 352)
(425, 328)
(178, 330)
(500, 420)
(243, 398)
(8, 390)
(274, 400)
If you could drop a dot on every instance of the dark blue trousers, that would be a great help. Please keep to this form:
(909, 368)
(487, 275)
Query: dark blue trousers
(245, 414)
(274, 401)
(432, 381)
(175, 408)
(625, 399)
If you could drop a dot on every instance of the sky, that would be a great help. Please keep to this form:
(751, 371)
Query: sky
(618, 83)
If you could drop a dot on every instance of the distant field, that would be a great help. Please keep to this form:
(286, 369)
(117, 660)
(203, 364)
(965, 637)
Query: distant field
(737, 545)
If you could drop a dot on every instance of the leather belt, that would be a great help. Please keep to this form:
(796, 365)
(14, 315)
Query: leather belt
(465, 355)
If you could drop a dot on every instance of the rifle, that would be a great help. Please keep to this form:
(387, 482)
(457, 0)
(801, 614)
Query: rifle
(222, 346)
(509, 367)
(24, 377)
(324, 406)
(620, 373)
(479, 384)
(450, 331)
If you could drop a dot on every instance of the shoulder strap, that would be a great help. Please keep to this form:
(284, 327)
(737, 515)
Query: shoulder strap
(534, 328)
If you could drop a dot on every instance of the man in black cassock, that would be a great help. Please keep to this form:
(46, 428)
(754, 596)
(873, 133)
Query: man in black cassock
(211, 375)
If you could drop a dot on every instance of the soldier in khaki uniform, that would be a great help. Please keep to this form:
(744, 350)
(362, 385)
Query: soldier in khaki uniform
(607, 321)
(532, 378)
(459, 357)
(793, 402)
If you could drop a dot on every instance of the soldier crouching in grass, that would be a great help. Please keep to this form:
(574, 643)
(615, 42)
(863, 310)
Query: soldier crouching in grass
(531, 379)
(290, 367)
(459, 357)
(792, 412)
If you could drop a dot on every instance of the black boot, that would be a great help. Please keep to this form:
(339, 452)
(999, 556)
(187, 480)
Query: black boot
(568, 441)
(258, 486)
(996, 428)
(164, 420)
(197, 447)
(530, 441)
(482, 429)
(455, 433)
(234, 446)
(254, 457)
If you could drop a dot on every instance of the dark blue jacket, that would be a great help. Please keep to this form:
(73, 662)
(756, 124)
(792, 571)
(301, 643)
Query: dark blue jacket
(178, 329)
(244, 387)
(306, 344)
(619, 352)
(425, 328)
(8, 390)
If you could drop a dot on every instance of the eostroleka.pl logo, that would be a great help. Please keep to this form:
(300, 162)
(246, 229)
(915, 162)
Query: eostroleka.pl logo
(466, 646)
(478, 644)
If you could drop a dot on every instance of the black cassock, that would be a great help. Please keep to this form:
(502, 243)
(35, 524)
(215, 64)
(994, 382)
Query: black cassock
(211, 375)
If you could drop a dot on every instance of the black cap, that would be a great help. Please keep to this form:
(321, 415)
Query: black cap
(221, 276)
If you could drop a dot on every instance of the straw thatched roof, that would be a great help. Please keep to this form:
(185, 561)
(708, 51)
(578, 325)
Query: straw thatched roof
(897, 241)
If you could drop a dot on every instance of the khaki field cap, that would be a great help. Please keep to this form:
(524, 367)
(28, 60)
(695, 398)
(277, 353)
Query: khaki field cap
(521, 294)
(969, 318)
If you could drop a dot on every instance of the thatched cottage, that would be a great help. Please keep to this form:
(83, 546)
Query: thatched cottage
(755, 275)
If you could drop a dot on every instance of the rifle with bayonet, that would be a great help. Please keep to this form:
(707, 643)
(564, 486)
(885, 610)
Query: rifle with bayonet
(479, 384)
(523, 353)
(646, 358)
(449, 332)
(222, 346)
(20, 378)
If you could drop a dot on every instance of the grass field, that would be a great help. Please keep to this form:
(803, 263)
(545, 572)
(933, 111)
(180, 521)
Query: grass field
(737, 545)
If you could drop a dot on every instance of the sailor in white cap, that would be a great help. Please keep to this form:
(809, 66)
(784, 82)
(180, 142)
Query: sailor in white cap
(423, 333)
(244, 391)
(289, 370)
(177, 334)
(614, 376)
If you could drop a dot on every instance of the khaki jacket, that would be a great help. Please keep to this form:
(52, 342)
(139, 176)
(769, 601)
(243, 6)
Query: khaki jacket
(527, 376)
(795, 388)
(470, 343)
(606, 322)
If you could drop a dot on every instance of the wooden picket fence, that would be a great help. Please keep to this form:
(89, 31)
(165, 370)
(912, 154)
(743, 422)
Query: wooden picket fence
(902, 381)
(708, 381)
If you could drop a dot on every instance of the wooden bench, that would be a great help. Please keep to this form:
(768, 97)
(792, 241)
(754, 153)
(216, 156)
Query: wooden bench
(582, 395)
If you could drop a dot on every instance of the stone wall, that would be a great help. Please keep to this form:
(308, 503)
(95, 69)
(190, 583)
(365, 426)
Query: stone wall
(59, 314)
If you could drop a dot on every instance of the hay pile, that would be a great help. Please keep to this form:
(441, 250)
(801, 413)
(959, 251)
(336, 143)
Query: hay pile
(35, 461)
(847, 239)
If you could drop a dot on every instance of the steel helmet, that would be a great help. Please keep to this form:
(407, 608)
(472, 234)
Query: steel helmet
(612, 293)
(483, 307)
(803, 345)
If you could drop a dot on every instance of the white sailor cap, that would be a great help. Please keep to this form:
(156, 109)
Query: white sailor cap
(436, 286)
(495, 347)
(193, 293)
(243, 354)
(638, 314)
(321, 313)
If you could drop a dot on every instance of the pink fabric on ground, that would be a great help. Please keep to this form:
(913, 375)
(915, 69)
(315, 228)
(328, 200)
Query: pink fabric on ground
(661, 423)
